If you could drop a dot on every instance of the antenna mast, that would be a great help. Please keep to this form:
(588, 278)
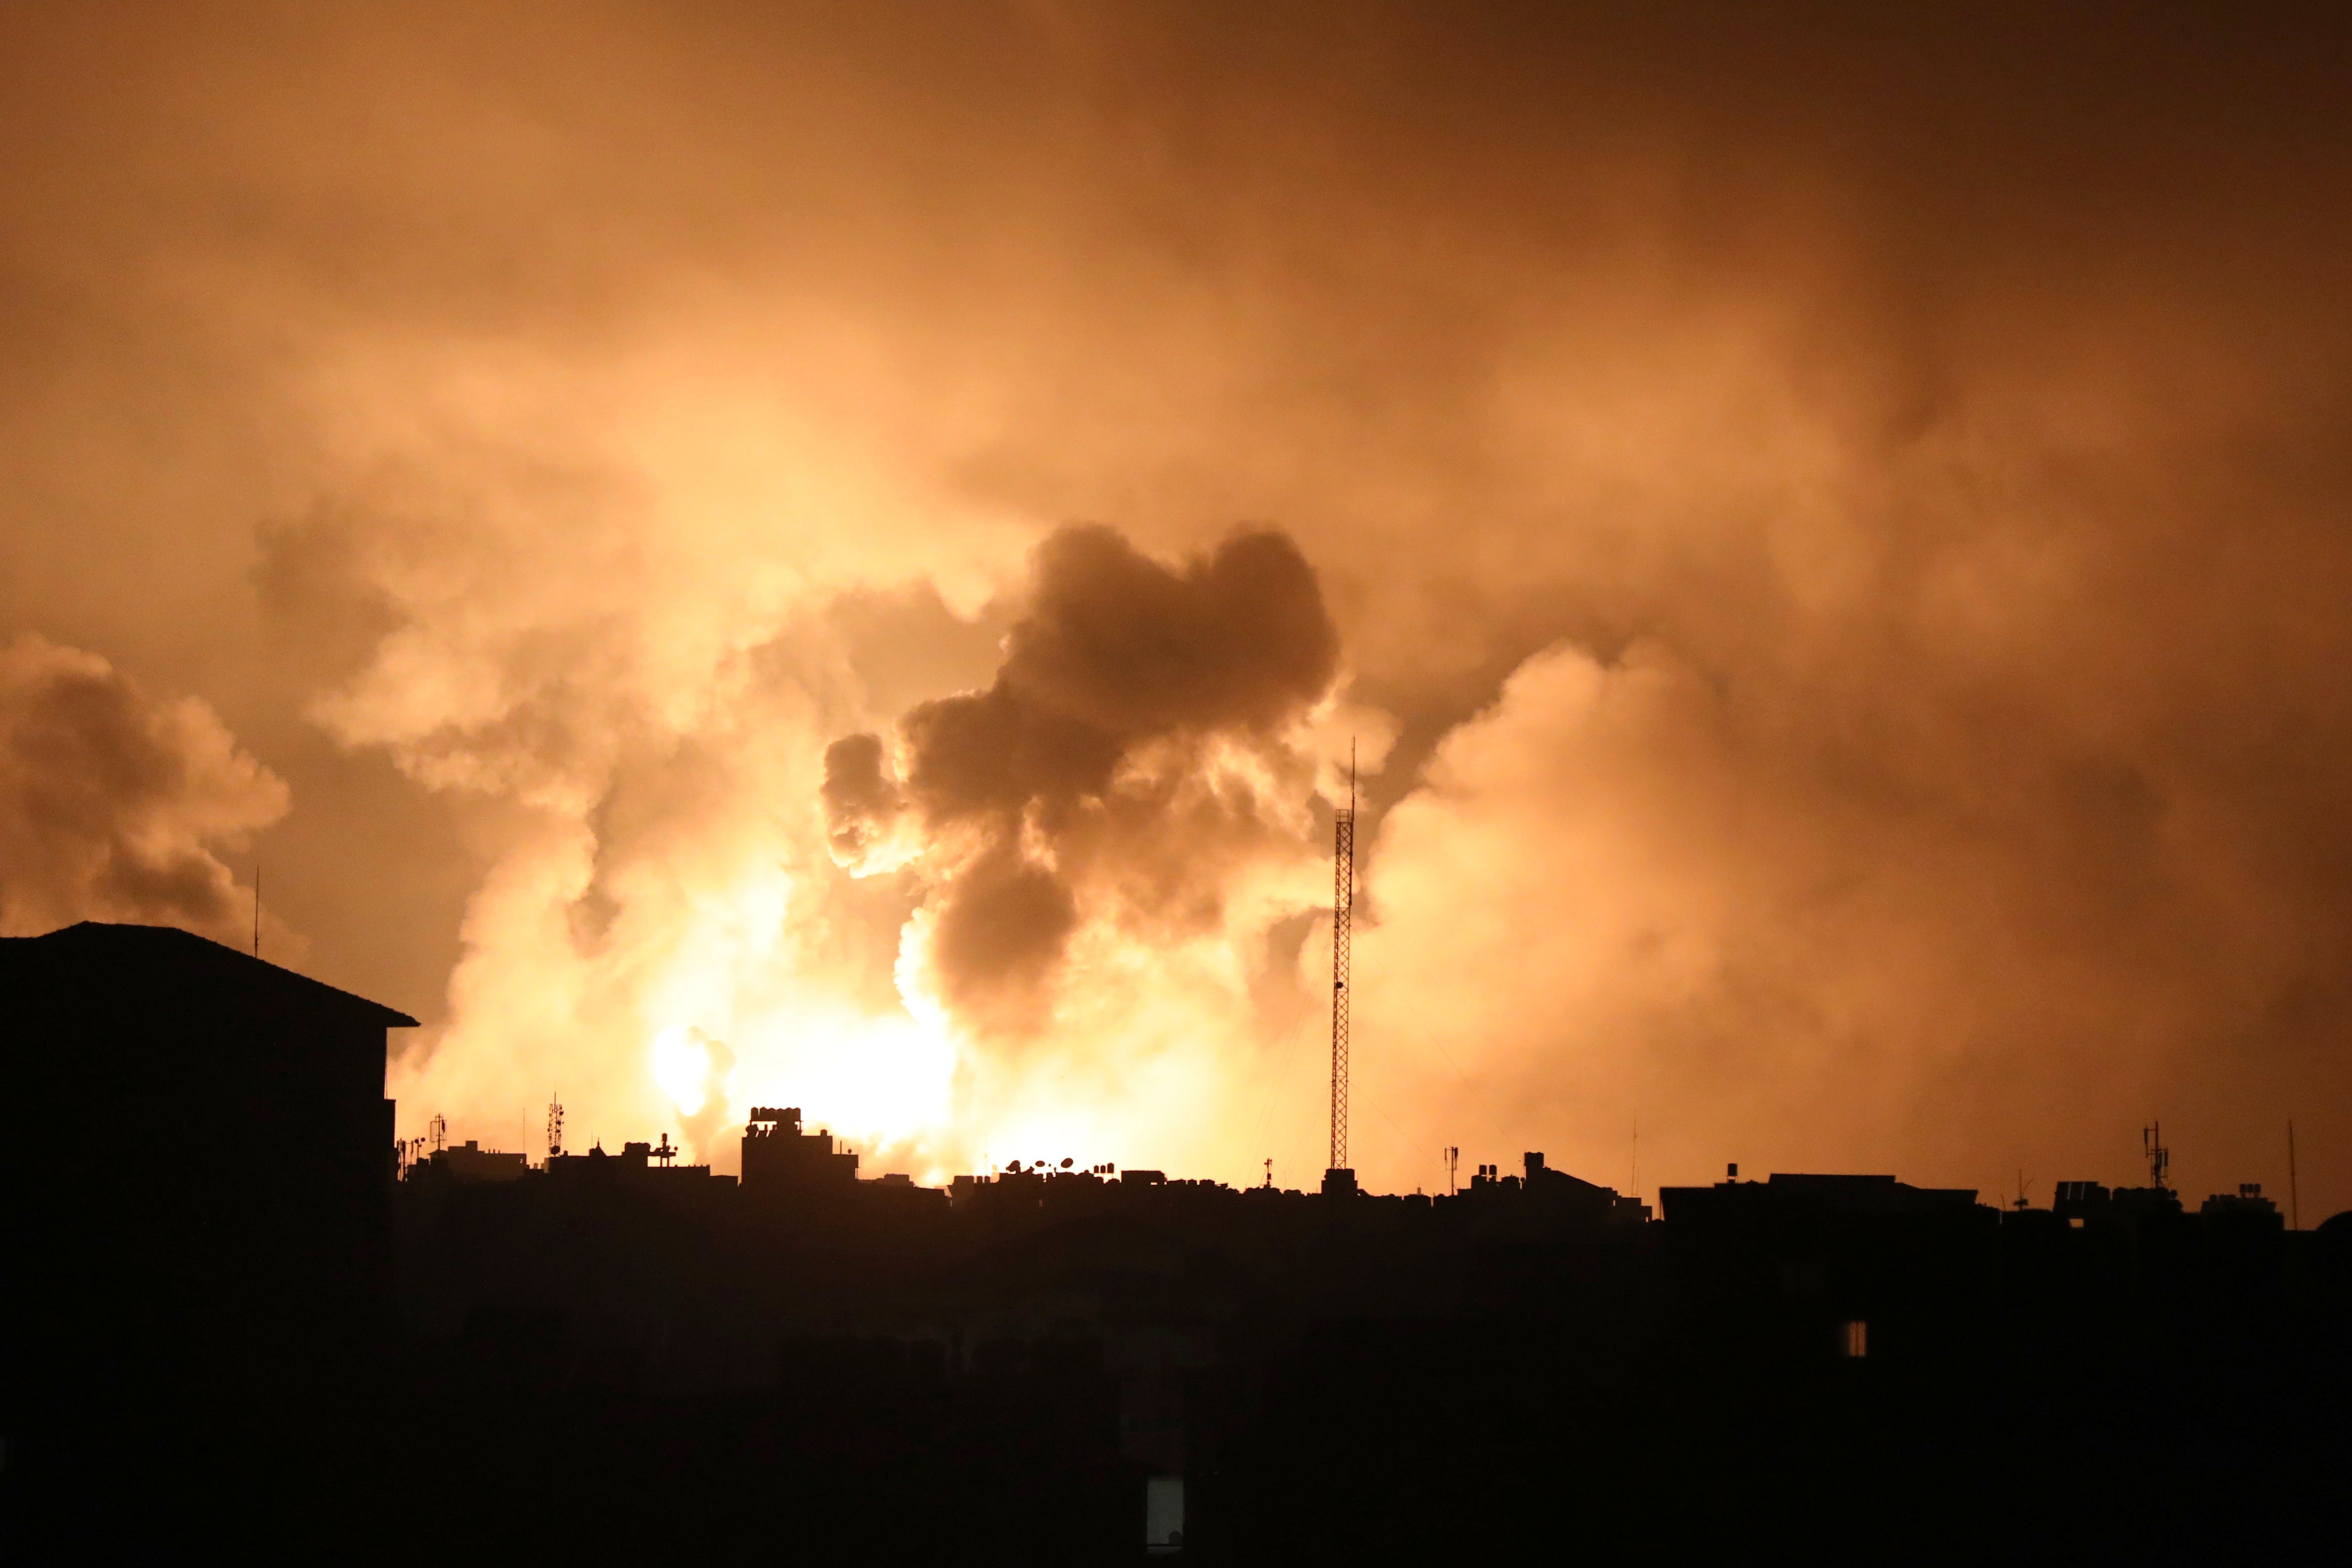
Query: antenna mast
(555, 1124)
(1343, 919)
(2159, 1158)
(2293, 1197)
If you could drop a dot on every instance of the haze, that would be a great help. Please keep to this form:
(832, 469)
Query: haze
(835, 559)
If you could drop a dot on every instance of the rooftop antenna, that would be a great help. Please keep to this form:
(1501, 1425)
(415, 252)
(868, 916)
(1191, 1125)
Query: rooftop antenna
(1453, 1166)
(257, 908)
(1343, 919)
(555, 1124)
(439, 1130)
(667, 1152)
(2294, 1200)
(2159, 1158)
(1270, 1171)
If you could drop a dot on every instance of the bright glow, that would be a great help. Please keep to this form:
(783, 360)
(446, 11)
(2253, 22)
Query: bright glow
(881, 1081)
(682, 1067)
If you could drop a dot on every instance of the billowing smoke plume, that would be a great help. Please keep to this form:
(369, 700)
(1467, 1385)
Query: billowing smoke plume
(1135, 745)
(113, 803)
(1847, 517)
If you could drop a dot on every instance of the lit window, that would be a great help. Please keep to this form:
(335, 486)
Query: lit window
(1855, 1344)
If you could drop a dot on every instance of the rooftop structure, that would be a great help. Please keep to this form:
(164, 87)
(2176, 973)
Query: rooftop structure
(779, 1158)
(470, 1163)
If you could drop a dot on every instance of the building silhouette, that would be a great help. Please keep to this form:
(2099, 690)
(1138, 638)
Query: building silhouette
(469, 1163)
(241, 1320)
(781, 1158)
(198, 1223)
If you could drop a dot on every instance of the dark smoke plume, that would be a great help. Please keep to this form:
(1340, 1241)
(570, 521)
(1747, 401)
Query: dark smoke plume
(1093, 775)
(858, 799)
(109, 799)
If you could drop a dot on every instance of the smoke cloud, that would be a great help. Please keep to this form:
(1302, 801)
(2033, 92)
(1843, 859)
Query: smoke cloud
(1135, 744)
(112, 804)
(1840, 513)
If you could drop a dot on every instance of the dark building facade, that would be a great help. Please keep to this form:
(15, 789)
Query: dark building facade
(781, 1158)
(470, 1164)
(204, 1162)
(1078, 1364)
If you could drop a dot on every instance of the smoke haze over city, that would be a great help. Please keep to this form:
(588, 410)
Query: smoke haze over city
(742, 556)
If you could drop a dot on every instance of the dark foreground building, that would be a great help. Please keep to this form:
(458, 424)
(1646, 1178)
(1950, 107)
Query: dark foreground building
(1068, 1363)
(201, 1326)
(617, 1357)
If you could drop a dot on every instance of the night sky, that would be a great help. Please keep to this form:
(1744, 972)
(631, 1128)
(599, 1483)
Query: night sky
(834, 556)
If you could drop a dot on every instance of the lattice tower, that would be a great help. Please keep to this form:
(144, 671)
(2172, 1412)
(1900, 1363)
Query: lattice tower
(1343, 919)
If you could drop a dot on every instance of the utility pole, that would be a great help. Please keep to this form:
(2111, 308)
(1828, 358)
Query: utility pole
(2293, 1197)
(1343, 916)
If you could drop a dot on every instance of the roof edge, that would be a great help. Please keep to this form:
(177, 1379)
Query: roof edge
(221, 953)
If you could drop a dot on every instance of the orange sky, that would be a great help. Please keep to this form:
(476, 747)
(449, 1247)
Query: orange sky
(1828, 528)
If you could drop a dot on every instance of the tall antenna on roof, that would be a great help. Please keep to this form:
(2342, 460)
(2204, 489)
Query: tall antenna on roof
(2159, 1158)
(2293, 1198)
(257, 908)
(1343, 919)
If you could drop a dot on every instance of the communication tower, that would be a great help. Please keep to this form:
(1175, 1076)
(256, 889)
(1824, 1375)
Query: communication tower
(438, 1130)
(2159, 1158)
(555, 1124)
(1343, 919)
